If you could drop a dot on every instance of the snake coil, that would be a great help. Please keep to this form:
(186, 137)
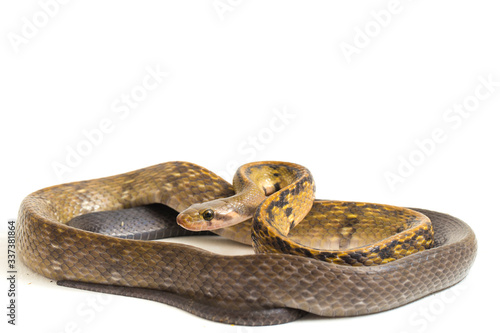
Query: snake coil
(421, 251)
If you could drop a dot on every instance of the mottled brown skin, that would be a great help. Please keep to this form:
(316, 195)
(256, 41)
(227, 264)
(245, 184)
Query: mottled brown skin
(254, 283)
(344, 227)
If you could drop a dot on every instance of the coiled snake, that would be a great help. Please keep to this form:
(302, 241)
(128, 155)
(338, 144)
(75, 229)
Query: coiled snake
(330, 258)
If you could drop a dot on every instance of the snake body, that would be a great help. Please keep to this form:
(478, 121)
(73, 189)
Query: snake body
(277, 284)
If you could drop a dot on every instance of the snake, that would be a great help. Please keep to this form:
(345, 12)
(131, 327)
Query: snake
(326, 257)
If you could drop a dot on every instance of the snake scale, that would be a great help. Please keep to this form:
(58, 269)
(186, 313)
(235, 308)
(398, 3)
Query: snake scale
(330, 258)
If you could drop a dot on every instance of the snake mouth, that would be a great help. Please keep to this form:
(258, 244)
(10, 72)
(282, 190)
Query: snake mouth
(194, 222)
(186, 221)
(189, 223)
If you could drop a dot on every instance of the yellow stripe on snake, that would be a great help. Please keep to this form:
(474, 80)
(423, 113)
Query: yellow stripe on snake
(330, 258)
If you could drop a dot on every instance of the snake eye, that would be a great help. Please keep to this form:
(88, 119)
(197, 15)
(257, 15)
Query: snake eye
(208, 214)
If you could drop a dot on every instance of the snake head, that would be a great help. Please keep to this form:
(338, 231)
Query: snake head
(211, 215)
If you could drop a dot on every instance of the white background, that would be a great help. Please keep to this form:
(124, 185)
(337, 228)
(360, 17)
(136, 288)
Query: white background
(232, 66)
